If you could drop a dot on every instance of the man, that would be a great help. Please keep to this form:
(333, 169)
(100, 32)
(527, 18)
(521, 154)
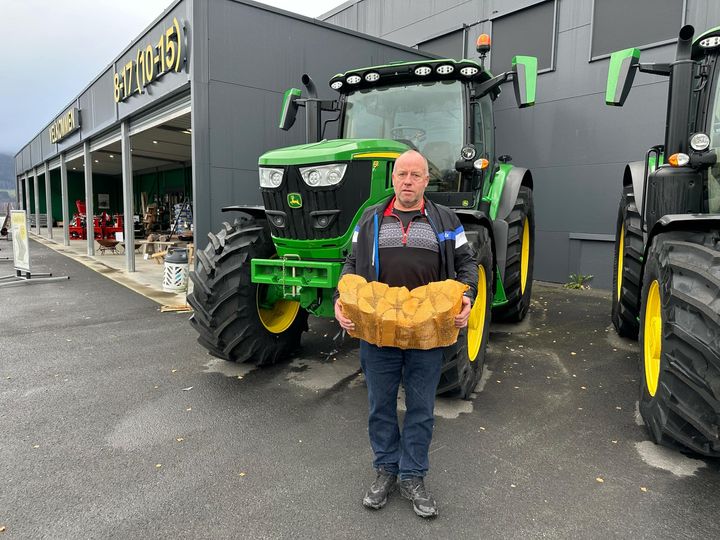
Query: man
(406, 241)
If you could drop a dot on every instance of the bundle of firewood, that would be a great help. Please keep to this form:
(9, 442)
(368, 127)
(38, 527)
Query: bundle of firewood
(396, 317)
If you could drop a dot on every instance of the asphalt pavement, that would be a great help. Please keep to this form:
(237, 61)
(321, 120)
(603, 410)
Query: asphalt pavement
(115, 423)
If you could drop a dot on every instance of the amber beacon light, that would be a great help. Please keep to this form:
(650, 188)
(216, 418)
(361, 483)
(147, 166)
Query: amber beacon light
(483, 44)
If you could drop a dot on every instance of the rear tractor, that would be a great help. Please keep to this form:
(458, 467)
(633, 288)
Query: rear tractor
(667, 250)
(259, 278)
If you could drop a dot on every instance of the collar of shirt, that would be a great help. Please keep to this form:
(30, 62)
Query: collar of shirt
(389, 208)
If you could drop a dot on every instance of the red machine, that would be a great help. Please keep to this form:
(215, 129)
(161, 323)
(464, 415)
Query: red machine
(103, 225)
(77, 224)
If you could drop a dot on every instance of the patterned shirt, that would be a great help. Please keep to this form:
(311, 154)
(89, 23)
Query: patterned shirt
(408, 249)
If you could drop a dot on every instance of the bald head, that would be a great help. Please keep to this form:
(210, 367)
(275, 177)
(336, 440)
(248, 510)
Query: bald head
(410, 178)
(412, 157)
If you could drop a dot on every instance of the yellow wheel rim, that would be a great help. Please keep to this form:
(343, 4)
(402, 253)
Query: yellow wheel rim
(476, 322)
(652, 340)
(525, 256)
(621, 251)
(278, 318)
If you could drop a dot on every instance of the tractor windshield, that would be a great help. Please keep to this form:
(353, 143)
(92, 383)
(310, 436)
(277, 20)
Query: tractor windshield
(427, 117)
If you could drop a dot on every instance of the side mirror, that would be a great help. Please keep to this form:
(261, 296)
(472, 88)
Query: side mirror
(621, 73)
(289, 108)
(524, 69)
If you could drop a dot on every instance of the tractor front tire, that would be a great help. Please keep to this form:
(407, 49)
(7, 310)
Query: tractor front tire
(680, 341)
(227, 313)
(627, 267)
(463, 362)
(519, 262)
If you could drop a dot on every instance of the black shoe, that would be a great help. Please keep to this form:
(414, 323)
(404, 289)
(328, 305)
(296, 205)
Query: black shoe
(423, 503)
(377, 496)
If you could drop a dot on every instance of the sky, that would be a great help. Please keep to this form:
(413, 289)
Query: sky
(46, 60)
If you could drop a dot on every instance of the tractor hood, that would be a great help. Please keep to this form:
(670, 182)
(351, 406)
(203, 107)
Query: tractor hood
(333, 151)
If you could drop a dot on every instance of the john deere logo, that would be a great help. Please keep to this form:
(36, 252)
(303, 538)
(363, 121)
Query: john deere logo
(294, 200)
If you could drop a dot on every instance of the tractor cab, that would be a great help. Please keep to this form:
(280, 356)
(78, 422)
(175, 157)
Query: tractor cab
(442, 108)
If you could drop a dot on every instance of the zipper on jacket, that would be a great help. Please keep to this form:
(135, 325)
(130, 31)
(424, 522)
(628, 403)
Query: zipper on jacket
(406, 231)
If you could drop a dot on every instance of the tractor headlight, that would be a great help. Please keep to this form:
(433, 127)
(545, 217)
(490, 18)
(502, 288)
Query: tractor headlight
(270, 178)
(699, 142)
(468, 152)
(323, 175)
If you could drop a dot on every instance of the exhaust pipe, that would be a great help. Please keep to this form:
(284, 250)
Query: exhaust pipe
(680, 94)
(312, 110)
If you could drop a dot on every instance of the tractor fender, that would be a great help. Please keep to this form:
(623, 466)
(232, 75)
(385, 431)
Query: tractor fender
(257, 212)
(478, 217)
(516, 177)
(678, 222)
(634, 175)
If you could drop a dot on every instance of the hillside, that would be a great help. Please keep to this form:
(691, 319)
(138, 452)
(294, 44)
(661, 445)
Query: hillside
(7, 171)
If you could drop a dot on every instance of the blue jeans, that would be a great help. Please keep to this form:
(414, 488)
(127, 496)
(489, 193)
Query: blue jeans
(419, 371)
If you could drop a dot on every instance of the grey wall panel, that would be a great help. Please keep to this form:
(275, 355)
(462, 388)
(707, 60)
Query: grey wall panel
(592, 258)
(26, 158)
(36, 155)
(283, 49)
(88, 115)
(447, 20)
(226, 186)
(448, 45)
(530, 31)
(347, 18)
(386, 17)
(582, 130)
(712, 17)
(252, 123)
(104, 110)
(48, 149)
(573, 14)
(580, 199)
(703, 14)
(552, 251)
(618, 24)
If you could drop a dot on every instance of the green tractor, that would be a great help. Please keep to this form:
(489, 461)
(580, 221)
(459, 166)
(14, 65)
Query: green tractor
(667, 250)
(259, 278)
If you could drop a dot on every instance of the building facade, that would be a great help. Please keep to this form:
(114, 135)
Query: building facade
(182, 115)
(575, 145)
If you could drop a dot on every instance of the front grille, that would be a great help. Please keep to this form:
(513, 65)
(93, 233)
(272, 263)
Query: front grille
(303, 223)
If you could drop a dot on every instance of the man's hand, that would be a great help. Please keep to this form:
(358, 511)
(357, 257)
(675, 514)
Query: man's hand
(461, 319)
(345, 323)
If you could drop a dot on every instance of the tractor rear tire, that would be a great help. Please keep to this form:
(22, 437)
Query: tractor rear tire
(225, 301)
(680, 341)
(627, 267)
(520, 256)
(463, 362)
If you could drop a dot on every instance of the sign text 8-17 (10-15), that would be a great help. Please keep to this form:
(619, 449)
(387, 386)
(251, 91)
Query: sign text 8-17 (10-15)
(150, 63)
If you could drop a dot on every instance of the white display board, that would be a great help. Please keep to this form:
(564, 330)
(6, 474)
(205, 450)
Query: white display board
(21, 242)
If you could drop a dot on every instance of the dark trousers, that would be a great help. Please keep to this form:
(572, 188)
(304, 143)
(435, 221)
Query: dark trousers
(419, 371)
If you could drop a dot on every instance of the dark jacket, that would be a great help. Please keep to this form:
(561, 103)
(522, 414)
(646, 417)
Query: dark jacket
(457, 259)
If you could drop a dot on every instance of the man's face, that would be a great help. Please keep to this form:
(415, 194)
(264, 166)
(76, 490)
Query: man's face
(410, 178)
